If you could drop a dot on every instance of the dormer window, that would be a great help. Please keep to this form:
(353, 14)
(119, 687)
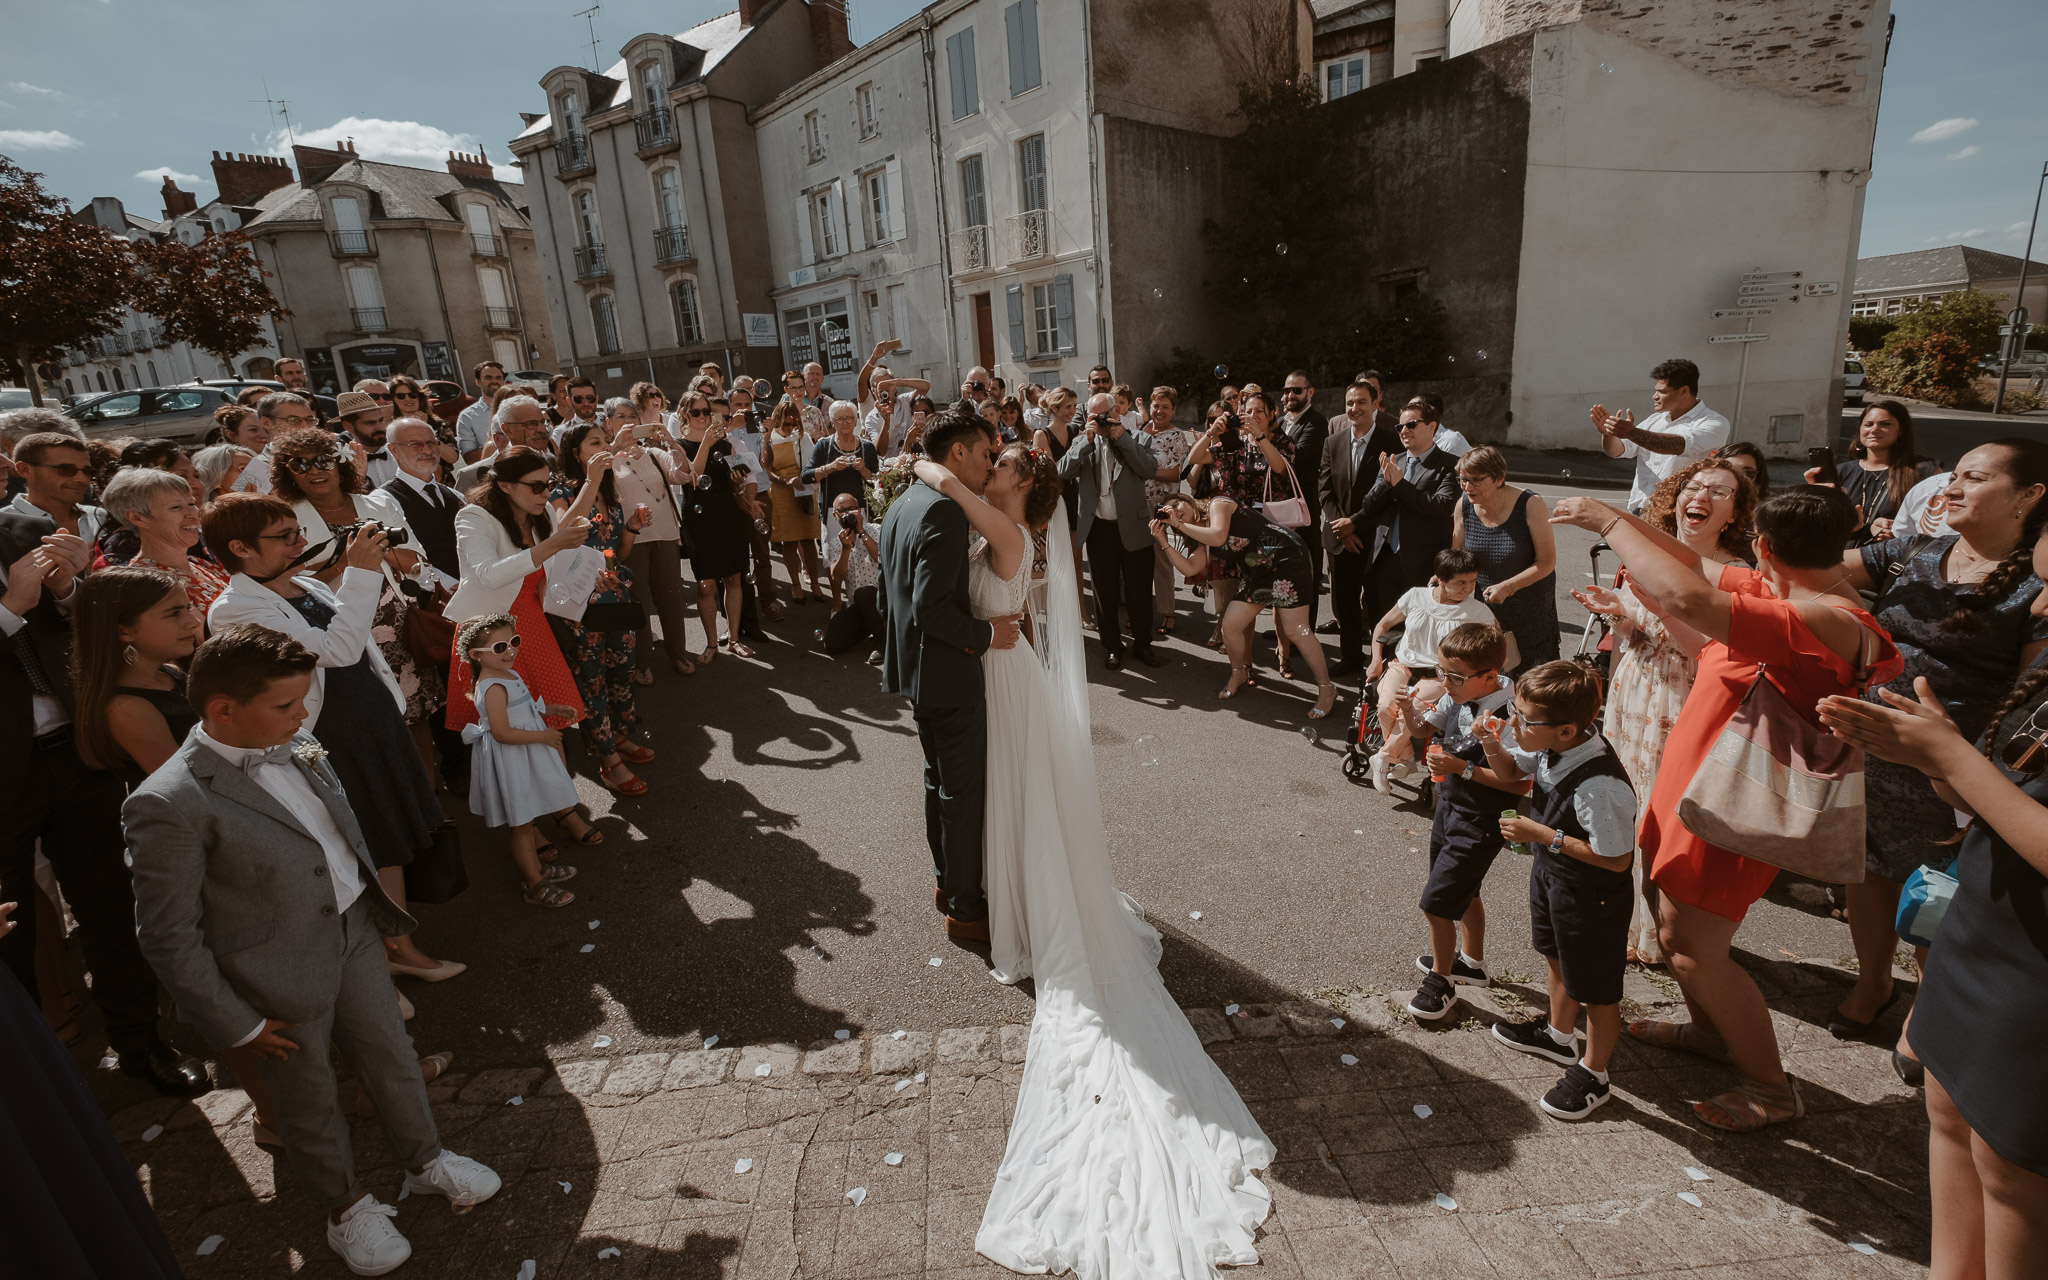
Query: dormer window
(653, 85)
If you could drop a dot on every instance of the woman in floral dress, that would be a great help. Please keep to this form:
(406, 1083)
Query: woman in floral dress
(1707, 506)
(606, 638)
(1232, 459)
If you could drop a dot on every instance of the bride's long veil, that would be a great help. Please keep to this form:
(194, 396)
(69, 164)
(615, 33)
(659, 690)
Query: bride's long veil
(1059, 624)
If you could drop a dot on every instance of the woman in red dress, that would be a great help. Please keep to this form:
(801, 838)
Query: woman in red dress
(1796, 615)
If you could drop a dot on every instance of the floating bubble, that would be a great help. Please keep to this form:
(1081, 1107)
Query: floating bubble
(1309, 735)
(1452, 359)
(1159, 293)
(1221, 371)
(1280, 249)
(1607, 67)
(818, 635)
(1482, 353)
(1146, 747)
(1566, 473)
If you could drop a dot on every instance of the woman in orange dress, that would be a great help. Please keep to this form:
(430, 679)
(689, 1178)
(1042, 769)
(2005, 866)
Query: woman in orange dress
(1795, 615)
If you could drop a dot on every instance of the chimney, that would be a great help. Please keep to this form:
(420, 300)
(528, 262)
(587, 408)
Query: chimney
(465, 166)
(243, 179)
(751, 9)
(829, 40)
(177, 202)
(317, 164)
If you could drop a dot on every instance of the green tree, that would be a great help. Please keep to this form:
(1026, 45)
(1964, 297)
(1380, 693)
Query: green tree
(63, 281)
(1970, 317)
(209, 294)
(1935, 367)
(1867, 333)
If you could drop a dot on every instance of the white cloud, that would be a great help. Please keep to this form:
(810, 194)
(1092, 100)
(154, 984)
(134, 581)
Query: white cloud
(158, 175)
(1964, 154)
(396, 141)
(26, 89)
(1943, 130)
(37, 139)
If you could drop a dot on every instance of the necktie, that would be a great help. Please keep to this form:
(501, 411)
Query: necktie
(378, 456)
(32, 662)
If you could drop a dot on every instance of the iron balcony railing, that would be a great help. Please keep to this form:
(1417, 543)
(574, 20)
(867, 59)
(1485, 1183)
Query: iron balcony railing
(1030, 235)
(970, 250)
(672, 244)
(572, 155)
(654, 129)
(368, 319)
(590, 262)
(485, 245)
(501, 317)
(351, 244)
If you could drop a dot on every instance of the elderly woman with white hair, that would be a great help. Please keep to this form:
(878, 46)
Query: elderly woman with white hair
(158, 506)
(218, 466)
(842, 462)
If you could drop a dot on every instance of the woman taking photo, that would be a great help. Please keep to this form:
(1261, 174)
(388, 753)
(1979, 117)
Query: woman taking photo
(603, 661)
(842, 463)
(504, 543)
(1959, 607)
(372, 751)
(1794, 616)
(1054, 438)
(1706, 505)
(1983, 999)
(1236, 454)
(648, 469)
(158, 508)
(1274, 568)
(1508, 530)
(718, 521)
(793, 522)
(1882, 469)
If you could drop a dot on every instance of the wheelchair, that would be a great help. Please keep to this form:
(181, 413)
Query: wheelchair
(1366, 736)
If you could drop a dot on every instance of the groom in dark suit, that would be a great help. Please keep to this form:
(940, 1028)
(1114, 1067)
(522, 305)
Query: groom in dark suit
(931, 653)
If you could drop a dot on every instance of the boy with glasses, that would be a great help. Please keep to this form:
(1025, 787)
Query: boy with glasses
(1582, 825)
(1471, 795)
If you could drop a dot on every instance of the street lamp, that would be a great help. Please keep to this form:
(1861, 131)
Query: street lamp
(2019, 304)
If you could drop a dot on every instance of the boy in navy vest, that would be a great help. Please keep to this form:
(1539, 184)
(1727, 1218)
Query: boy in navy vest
(1582, 826)
(1464, 838)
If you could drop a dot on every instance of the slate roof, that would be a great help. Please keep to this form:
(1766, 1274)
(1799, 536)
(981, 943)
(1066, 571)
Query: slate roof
(1337, 14)
(396, 191)
(716, 38)
(1952, 266)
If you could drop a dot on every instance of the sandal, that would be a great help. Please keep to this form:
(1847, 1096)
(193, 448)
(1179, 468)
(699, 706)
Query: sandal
(588, 836)
(547, 895)
(1683, 1036)
(632, 788)
(1230, 690)
(1286, 671)
(546, 852)
(738, 649)
(685, 667)
(557, 874)
(1751, 1105)
(710, 652)
(1843, 1027)
(1318, 711)
(635, 753)
(642, 677)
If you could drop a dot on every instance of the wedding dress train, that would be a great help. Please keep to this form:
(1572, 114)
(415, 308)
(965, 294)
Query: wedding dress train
(1130, 1156)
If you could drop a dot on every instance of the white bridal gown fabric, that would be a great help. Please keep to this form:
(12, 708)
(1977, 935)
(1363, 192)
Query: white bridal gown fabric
(1130, 1155)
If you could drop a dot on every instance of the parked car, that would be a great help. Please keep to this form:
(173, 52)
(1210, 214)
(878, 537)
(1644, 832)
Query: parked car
(16, 398)
(234, 387)
(1852, 379)
(537, 377)
(183, 414)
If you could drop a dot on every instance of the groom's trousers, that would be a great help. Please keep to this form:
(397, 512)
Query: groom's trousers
(955, 742)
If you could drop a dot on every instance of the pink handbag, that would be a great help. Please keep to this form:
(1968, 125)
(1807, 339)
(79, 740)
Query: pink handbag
(1288, 513)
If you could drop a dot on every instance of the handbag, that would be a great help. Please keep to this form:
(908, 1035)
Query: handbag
(1775, 788)
(435, 873)
(623, 615)
(429, 636)
(1923, 903)
(1288, 513)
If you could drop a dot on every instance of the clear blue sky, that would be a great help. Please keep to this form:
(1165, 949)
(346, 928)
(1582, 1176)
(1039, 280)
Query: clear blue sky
(103, 95)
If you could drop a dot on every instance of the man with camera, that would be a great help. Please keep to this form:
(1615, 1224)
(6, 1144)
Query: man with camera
(856, 616)
(1105, 471)
(980, 386)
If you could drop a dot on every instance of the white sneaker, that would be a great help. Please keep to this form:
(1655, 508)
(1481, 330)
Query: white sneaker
(366, 1240)
(1377, 767)
(466, 1183)
(1401, 770)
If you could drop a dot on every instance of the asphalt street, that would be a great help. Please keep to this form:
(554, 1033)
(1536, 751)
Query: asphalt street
(774, 885)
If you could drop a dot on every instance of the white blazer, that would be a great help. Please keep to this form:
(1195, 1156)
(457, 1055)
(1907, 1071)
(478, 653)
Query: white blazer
(345, 640)
(493, 566)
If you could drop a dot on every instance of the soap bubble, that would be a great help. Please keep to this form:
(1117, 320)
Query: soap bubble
(819, 636)
(1159, 293)
(1280, 249)
(1566, 473)
(1221, 371)
(1607, 67)
(1146, 747)
(1310, 736)
(1482, 353)
(1452, 359)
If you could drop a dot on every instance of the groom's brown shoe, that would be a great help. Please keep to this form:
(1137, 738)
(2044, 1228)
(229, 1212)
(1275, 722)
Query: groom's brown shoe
(939, 899)
(967, 930)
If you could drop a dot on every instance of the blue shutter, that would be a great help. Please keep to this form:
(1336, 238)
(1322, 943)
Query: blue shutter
(1013, 27)
(1015, 295)
(1027, 19)
(1063, 309)
(960, 66)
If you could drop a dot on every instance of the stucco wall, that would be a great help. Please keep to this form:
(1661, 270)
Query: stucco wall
(1178, 62)
(1160, 183)
(1652, 188)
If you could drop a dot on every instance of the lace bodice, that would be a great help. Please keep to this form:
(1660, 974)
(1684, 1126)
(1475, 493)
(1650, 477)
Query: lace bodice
(994, 597)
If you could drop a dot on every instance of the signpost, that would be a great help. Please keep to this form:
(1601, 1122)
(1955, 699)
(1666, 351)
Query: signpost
(1756, 295)
(2018, 318)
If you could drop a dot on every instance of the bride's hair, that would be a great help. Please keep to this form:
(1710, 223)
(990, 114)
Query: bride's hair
(1043, 497)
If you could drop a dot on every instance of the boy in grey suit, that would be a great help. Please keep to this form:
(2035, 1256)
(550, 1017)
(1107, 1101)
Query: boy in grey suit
(259, 908)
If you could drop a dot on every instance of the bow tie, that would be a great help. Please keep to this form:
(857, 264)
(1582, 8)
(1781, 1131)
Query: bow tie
(281, 755)
(378, 456)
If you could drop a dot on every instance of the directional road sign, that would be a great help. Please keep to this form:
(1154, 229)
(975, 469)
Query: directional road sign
(1741, 313)
(1739, 337)
(1766, 299)
(1759, 277)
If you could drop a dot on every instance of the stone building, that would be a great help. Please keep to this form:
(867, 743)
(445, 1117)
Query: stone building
(1895, 283)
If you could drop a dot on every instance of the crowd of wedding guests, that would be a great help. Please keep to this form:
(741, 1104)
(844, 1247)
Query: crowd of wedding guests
(444, 598)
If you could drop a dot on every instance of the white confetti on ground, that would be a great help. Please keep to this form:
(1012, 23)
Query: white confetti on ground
(1349, 1060)
(1229, 1009)
(1194, 915)
(1692, 1199)
(602, 1042)
(211, 1243)
(842, 1034)
(1864, 1247)
(109, 1062)
(593, 924)
(1445, 1202)
(1698, 1175)
(743, 1164)
(566, 1188)
(611, 1251)
(898, 1034)
(1337, 1023)
(589, 947)
(1422, 1111)
(709, 1041)
(893, 1158)
(901, 1085)
(935, 962)
(857, 1195)
(152, 1133)
(514, 1100)
(527, 1270)
(762, 1070)
(918, 1078)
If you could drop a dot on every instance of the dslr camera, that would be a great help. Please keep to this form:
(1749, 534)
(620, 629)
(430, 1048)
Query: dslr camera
(850, 521)
(396, 537)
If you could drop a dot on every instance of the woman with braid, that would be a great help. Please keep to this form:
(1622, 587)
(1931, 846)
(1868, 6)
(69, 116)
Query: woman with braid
(1958, 608)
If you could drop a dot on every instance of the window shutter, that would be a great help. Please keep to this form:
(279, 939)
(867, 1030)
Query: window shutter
(1063, 309)
(1027, 20)
(956, 68)
(805, 253)
(840, 216)
(1013, 27)
(892, 181)
(1014, 295)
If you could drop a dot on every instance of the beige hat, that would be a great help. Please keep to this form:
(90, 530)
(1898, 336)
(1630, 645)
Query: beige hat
(353, 402)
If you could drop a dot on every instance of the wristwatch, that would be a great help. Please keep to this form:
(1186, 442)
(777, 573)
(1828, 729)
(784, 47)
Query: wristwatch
(1467, 771)
(1557, 839)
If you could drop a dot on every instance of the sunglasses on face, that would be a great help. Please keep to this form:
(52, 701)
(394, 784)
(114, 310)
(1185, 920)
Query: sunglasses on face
(297, 420)
(500, 647)
(65, 469)
(300, 466)
(583, 399)
(700, 413)
(374, 396)
(532, 486)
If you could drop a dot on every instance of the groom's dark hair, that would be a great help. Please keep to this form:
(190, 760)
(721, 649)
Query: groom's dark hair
(952, 427)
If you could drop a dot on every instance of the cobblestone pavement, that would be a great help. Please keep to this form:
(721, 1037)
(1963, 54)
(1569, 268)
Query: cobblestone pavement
(873, 1155)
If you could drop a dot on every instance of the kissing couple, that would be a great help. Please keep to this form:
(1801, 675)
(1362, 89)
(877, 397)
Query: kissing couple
(1129, 1154)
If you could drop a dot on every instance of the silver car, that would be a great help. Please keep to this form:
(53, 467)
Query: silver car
(184, 414)
(1852, 379)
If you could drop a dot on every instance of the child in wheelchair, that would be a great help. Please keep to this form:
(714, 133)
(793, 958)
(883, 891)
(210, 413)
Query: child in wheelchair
(1409, 684)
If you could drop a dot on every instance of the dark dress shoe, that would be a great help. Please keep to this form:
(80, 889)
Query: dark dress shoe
(1330, 628)
(1113, 661)
(967, 930)
(1150, 658)
(173, 1074)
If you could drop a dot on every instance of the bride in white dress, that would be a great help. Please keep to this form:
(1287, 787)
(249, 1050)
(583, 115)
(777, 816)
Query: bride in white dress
(1130, 1155)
